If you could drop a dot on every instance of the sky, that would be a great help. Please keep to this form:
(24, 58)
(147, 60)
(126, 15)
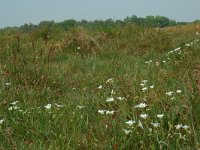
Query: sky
(19, 12)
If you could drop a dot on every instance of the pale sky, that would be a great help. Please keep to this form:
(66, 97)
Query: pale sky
(18, 12)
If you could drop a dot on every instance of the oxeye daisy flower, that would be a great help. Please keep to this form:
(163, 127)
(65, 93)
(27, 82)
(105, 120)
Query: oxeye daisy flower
(127, 131)
(112, 92)
(143, 116)
(80, 107)
(48, 106)
(111, 80)
(179, 126)
(155, 125)
(177, 49)
(121, 98)
(58, 106)
(111, 99)
(178, 91)
(1, 121)
(185, 127)
(101, 111)
(151, 87)
(14, 103)
(160, 116)
(100, 87)
(130, 122)
(8, 84)
(140, 124)
(109, 112)
(170, 93)
(144, 81)
(144, 89)
(141, 105)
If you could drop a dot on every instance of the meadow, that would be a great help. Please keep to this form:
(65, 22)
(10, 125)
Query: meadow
(128, 87)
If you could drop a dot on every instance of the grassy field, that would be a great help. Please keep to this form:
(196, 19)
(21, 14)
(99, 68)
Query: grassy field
(120, 88)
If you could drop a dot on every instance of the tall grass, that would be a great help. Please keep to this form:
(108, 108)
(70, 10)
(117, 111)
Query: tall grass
(71, 73)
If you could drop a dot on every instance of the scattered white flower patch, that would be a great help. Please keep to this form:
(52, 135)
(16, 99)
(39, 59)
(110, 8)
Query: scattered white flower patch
(111, 80)
(170, 93)
(127, 131)
(80, 107)
(130, 122)
(1, 121)
(111, 99)
(143, 116)
(160, 116)
(142, 84)
(141, 105)
(48, 106)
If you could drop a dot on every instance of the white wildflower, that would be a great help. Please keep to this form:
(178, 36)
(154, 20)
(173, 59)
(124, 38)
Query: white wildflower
(151, 87)
(1, 121)
(178, 91)
(111, 80)
(59, 106)
(8, 84)
(100, 87)
(177, 49)
(14, 103)
(101, 111)
(144, 89)
(78, 48)
(185, 127)
(112, 92)
(142, 84)
(182, 137)
(80, 107)
(121, 98)
(141, 105)
(111, 99)
(164, 61)
(169, 93)
(140, 124)
(109, 112)
(130, 122)
(157, 63)
(127, 131)
(144, 116)
(178, 126)
(48, 106)
(155, 125)
(144, 81)
(160, 116)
